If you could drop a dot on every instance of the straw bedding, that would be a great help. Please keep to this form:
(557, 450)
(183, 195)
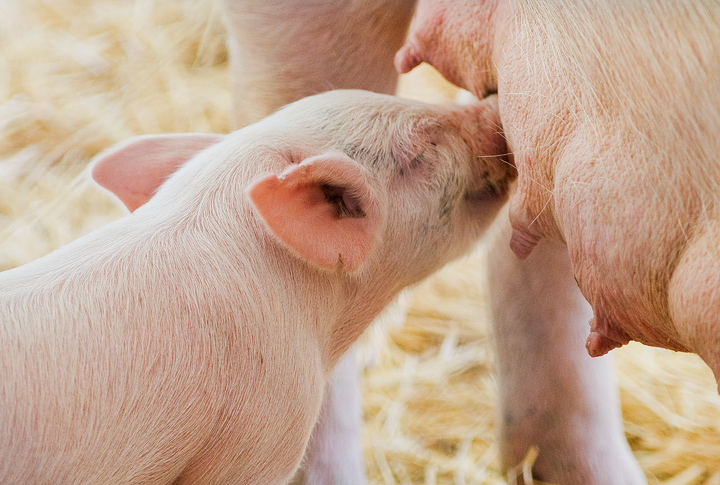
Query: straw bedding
(77, 76)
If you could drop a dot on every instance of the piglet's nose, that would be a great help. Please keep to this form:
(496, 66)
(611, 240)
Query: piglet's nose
(479, 124)
(480, 127)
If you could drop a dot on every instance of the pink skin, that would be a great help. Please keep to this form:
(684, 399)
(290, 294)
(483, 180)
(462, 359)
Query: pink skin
(433, 42)
(636, 212)
(157, 349)
(282, 51)
(584, 442)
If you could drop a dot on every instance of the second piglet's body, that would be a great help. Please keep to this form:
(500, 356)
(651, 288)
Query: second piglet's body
(190, 341)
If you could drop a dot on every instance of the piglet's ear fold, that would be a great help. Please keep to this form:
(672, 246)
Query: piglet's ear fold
(135, 169)
(323, 209)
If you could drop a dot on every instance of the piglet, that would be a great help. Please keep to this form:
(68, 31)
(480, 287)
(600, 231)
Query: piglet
(190, 341)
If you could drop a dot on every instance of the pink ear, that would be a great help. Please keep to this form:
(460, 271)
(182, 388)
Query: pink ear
(323, 209)
(135, 169)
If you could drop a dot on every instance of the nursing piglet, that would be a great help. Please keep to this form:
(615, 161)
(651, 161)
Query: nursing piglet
(190, 341)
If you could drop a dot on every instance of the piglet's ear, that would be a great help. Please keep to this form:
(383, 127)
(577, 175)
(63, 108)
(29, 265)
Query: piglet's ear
(135, 169)
(323, 209)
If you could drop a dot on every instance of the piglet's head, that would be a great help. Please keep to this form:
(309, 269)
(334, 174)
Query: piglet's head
(376, 184)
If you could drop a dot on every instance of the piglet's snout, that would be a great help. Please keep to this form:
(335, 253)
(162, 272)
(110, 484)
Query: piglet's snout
(490, 168)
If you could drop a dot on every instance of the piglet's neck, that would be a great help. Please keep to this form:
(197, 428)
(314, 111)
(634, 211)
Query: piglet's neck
(364, 300)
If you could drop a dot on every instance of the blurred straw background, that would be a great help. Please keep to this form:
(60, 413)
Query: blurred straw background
(77, 76)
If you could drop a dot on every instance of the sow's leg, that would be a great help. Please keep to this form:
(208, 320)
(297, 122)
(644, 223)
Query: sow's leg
(284, 50)
(553, 396)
